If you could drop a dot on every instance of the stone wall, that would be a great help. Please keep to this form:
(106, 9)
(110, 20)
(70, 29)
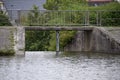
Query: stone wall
(97, 40)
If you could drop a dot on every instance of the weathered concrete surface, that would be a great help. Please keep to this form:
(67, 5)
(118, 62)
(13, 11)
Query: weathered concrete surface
(80, 42)
(94, 39)
(114, 32)
(12, 38)
(54, 28)
(20, 41)
(5, 35)
(98, 40)
(6, 39)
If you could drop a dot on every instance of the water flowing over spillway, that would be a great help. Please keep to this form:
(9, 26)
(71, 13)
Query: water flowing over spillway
(67, 66)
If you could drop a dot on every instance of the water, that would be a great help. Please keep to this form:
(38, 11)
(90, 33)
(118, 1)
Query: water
(67, 66)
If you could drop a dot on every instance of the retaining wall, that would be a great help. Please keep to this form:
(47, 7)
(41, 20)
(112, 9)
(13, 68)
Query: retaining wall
(12, 40)
(98, 40)
(106, 40)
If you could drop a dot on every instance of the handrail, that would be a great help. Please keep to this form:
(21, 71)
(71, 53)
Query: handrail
(65, 17)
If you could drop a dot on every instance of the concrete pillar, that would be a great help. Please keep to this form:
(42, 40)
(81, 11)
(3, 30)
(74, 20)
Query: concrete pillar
(20, 41)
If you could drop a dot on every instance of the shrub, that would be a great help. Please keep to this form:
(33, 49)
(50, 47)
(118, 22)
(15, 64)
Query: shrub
(4, 21)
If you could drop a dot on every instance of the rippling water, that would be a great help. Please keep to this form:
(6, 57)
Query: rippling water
(67, 66)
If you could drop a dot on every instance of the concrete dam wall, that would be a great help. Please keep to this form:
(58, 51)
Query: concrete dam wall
(12, 40)
(91, 39)
(6, 38)
(106, 40)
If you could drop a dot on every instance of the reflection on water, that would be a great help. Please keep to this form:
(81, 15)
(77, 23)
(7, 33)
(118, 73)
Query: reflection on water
(67, 66)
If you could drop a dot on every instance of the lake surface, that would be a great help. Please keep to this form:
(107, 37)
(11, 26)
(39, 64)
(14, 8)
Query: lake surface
(66, 66)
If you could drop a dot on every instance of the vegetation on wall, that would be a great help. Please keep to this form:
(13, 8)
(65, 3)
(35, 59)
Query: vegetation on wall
(7, 52)
(8, 48)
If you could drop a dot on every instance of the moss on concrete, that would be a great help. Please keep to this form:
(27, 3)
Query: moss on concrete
(7, 52)
(11, 39)
(7, 48)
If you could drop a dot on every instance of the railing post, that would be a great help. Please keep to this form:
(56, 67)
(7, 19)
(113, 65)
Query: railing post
(100, 18)
(57, 42)
(97, 18)
(87, 22)
(88, 17)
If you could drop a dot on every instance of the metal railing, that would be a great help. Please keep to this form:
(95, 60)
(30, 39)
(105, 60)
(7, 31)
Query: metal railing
(65, 18)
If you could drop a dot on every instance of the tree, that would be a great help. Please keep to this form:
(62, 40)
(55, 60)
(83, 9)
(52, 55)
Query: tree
(52, 4)
(4, 21)
(33, 16)
(58, 4)
(36, 40)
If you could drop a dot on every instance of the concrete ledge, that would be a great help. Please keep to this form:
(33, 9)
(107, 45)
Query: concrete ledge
(39, 28)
